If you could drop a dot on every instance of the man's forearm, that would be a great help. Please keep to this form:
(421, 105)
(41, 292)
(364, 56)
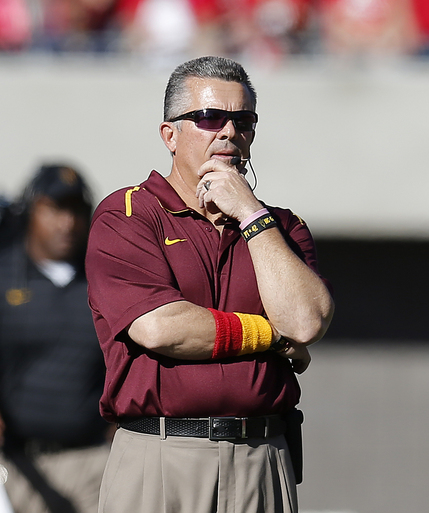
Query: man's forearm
(183, 330)
(295, 299)
(180, 330)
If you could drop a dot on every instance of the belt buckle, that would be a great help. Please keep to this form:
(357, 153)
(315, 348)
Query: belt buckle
(227, 428)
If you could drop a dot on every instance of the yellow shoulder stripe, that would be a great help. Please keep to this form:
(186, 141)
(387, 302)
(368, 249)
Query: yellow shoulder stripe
(299, 218)
(128, 206)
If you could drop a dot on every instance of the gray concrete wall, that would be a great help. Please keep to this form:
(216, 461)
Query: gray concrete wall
(366, 445)
(343, 144)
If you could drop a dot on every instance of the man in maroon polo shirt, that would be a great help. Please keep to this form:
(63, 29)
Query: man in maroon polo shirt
(204, 301)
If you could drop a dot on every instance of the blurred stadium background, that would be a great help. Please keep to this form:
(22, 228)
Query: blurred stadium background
(342, 140)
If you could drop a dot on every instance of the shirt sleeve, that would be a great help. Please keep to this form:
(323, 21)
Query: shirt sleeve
(127, 272)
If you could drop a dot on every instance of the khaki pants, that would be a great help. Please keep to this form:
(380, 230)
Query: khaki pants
(146, 474)
(75, 474)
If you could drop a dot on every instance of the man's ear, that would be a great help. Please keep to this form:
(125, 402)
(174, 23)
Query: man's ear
(168, 134)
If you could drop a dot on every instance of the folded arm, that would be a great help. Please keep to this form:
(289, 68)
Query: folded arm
(180, 330)
(295, 299)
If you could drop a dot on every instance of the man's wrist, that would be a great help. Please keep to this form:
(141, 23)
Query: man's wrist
(262, 222)
(252, 217)
(280, 344)
(238, 334)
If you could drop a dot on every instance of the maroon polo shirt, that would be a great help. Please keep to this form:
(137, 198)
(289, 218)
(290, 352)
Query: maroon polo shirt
(147, 249)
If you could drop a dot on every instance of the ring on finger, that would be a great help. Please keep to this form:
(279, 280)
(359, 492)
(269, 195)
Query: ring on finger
(207, 184)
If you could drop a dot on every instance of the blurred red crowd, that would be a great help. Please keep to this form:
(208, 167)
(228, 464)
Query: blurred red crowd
(262, 30)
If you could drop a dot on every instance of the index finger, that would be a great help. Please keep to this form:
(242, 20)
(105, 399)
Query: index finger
(220, 163)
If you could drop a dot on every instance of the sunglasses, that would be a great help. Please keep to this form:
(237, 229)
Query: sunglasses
(216, 119)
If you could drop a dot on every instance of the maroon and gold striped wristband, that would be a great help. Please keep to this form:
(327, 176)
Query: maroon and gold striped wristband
(238, 334)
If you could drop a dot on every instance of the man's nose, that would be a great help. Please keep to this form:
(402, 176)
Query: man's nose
(228, 131)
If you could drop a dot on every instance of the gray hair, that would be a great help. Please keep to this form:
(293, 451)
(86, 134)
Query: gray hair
(177, 95)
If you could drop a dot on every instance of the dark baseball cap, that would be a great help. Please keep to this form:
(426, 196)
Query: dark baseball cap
(58, 182)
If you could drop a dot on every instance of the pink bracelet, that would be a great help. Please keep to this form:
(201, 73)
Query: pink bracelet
(252, 217)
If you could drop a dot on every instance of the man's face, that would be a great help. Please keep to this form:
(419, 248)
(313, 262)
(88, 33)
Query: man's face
(56, 230)
(193, 146)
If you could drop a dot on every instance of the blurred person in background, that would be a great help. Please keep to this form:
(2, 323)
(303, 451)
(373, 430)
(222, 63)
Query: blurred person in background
(54, 440)
(15, 25)
(78, 25)
(265, 32)
(421, 12)
(367, 27)
(162, 32)
(6, 222)
(224, 27)
(5, 506)
(280, 29)
(59, 25)
(165, 32)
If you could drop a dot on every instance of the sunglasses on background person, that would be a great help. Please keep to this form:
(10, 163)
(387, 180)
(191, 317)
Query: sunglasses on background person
(216, 119)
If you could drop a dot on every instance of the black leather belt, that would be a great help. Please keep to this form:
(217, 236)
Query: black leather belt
(214, 428)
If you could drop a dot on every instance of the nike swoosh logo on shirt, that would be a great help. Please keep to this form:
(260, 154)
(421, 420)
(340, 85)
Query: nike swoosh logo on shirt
(169, 242)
